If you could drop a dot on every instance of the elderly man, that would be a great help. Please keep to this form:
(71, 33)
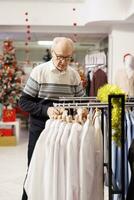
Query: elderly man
(49, 80)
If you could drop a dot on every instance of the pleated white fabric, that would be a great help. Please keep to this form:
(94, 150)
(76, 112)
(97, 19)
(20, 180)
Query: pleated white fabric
(67, 162)
(98, 189)
(34, 183)
(48, 171)
(72, 187)
(87, 161)
(56, 164)
(62, 177)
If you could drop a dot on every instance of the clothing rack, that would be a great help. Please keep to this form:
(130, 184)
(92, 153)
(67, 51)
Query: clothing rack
(83, 105)
(92, 102)
(73, 99)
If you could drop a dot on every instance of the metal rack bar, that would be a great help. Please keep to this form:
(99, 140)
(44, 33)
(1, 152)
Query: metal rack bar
(88, 104)
(73, 99)
(75, 105)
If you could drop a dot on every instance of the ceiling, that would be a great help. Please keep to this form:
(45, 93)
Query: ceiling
(84, 37)
(66, 1)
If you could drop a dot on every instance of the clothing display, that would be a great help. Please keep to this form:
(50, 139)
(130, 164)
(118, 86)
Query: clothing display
(66, 51)
(128, 159)
(99, 79)
(98, 58)
(87, 161)
(71, 156)
(130, 193)
(34, 175)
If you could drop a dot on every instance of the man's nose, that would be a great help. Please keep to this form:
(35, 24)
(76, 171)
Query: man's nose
(63, 61)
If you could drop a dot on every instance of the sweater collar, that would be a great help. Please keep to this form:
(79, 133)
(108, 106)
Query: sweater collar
(54, 69)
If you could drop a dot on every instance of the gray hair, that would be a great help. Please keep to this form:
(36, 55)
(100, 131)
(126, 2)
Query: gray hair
(56, 40)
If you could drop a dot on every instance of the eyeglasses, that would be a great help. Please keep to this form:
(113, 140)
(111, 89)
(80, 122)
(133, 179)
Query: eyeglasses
(60, 58)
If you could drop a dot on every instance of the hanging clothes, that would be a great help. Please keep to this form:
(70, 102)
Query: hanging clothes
(88, 83)
(87, 161)
(66, 159)
(116, 159)
(56, 173)
(98, 185)
(72, 188)
(130, 191)
(98, 80)
(130, 194)
(49, 175)
(62, 175)
(34, 183)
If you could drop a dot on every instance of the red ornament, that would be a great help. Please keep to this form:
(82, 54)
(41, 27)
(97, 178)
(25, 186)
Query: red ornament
(29, 38)
(26, 13)
(75, 24)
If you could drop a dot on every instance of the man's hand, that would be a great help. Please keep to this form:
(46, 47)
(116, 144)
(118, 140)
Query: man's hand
(53, 112)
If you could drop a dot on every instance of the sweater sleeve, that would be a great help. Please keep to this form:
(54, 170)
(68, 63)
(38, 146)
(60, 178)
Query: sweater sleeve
(30, 104)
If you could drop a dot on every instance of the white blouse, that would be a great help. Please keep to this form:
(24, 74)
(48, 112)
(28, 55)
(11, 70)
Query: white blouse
(87, 161)
(34, 182)
(56, 173)
(72, 187)
(62, 162)
(48, 171)
(98, 193)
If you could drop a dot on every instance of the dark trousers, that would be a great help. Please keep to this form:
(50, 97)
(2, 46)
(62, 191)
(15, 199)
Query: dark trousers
(33, 137)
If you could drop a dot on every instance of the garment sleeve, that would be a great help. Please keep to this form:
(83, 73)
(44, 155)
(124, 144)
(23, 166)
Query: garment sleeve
(79, 90)
(78, 85)
(30, 104)
(33, 85)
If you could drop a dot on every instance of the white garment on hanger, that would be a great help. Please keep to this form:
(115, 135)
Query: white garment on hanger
(34, 180)
(62, 162)
(87, 161)
(56, 173)
(72, 188)
(98, 190)
(48, 171)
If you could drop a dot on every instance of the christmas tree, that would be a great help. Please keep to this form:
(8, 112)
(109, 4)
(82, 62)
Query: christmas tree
(10, 76)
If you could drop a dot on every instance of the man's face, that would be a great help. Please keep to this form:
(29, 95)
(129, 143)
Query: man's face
(61, 57)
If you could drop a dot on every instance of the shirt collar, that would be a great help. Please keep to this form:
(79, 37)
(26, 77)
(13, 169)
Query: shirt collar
(54, 69)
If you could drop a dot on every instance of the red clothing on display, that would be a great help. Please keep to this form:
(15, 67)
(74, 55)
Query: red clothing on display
(99, 79)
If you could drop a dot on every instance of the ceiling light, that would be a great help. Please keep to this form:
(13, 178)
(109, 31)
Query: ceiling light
(45, 43)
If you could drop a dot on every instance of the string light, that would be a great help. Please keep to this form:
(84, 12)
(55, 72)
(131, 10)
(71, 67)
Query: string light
(74, 26)
(27, 38)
